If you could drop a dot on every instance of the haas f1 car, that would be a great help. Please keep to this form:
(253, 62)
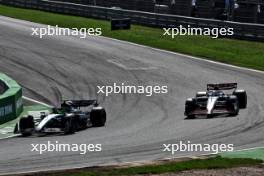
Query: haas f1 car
(67, 119)
(217, 101)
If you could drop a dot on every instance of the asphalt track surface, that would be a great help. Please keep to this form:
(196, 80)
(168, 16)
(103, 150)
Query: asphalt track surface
(56, 68)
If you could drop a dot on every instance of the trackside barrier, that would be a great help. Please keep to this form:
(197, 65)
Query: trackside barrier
(247, 31)
(11, 100)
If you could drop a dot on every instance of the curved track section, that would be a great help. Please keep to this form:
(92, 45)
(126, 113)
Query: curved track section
(56, 68)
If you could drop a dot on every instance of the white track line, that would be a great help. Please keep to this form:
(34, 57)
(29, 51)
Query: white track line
(14, 135)
(36, 101)
(253, 148)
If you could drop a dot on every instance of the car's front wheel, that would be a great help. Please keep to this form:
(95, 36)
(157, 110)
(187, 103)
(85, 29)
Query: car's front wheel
(191, 116)
(209, 116)
(26, 125)
(69, 127)
(98, 117)
(235, 105)
(189, 107)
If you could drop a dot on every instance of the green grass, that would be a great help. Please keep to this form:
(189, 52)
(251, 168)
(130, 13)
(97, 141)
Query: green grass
(236, 52)
(257, 153)
(211, 163)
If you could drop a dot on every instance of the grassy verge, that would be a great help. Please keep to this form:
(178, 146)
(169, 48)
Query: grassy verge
(211, 163)
(257, 153)
(236, 52)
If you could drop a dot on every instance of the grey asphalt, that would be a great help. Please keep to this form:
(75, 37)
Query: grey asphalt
(56, 68)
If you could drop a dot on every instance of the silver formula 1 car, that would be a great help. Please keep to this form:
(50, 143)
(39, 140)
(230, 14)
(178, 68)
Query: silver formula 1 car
(216, 100)
(67, 119)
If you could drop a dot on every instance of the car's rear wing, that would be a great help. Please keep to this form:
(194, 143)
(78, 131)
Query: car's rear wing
(222, 86)
(79, 103)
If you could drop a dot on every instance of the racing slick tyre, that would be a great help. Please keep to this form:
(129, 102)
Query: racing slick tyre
(26, 125)
(69, 127)
(242, 98)
(190, 116)
(98, 117)
(189, 107)
(235, 104)
(210, 116)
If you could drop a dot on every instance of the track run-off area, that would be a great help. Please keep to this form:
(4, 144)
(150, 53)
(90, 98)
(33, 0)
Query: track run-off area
(56, 68)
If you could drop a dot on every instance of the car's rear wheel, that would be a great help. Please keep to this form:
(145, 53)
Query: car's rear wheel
(98, 117)
(242, 98)
(235, 105)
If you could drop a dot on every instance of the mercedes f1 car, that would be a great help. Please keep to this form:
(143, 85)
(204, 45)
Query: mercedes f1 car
(216, 100)
(67, 119)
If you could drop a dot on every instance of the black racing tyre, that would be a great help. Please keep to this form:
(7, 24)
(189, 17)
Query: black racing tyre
(98, 117)
(69, 127)
(235, 113)
(26, 125)
(210, 116)
(191, 116)
(235, 104)
(189, 107)
(242, 98)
